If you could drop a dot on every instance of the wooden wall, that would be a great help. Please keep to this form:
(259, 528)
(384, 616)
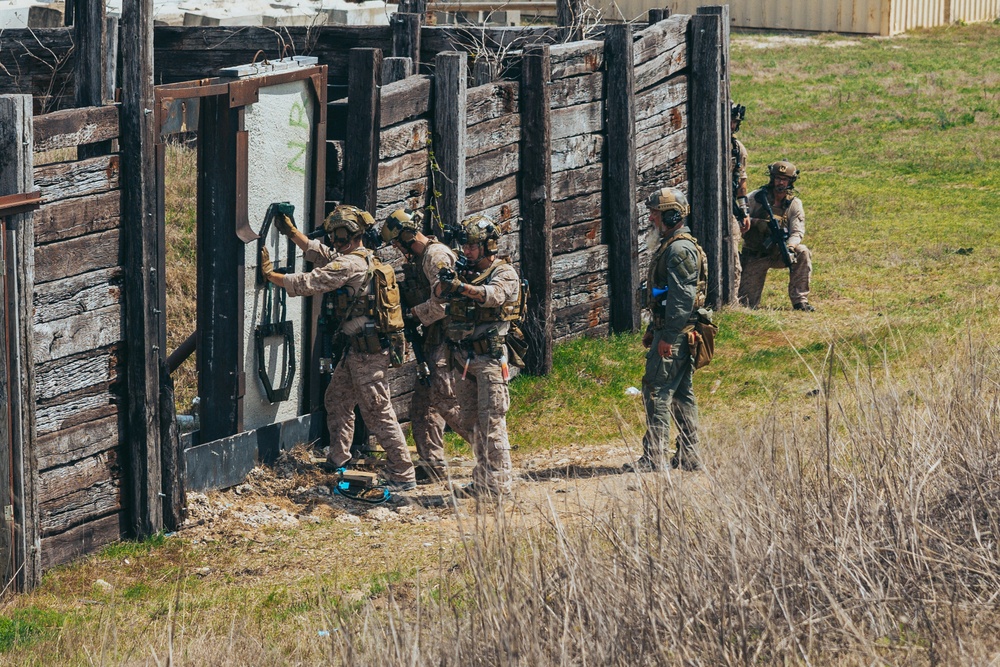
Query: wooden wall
(78, 343)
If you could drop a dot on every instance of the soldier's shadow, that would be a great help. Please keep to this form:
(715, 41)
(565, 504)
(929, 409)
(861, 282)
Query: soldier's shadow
(570, 472)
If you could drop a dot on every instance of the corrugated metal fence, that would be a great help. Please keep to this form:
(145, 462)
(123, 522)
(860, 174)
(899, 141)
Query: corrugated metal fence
(869, 17)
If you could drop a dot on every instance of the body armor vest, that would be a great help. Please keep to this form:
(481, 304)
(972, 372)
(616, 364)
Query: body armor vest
(342, 304)
(464, 310)
(701, 290)
(415, 288)
(758, 237)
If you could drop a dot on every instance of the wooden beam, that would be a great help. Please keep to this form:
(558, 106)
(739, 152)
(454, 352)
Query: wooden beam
(656, 15)
(21, 566)
(142, 325)
(622, 230)
(729, 242)
(406, 37)
(569, 16)
(361, 151)
(706, 160)
(483, 71)
(395, 69)
(536, 204)
(89, 68)
(449, 134)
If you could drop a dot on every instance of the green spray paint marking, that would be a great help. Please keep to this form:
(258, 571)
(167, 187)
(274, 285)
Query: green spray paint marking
(297, 118)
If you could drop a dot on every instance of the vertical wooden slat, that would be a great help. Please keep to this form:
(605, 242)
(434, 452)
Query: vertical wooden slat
(395, 69)
(536, 204)
(90, 65)
(17, 455)
(706, 162)
(111, 58)
(141, 326)
(363, 122)
(483, 72)
(569, 14)
(406, 38)
(621, 222)
(449, 134)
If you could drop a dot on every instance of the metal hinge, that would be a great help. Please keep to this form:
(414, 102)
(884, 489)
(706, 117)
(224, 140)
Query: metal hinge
(8, 512)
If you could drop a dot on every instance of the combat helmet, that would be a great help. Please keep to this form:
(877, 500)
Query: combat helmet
(783, 168)
(480, 230)
(351, 219)
(399, 221)
(671, 202)
(737, 114)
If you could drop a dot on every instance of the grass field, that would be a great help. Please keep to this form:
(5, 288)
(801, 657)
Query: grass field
(849, 513)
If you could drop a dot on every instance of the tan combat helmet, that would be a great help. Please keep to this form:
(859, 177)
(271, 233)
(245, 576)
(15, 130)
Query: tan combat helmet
(671, 202)
(399, 221)
(351, 219)
(783, 168)
(478, 229)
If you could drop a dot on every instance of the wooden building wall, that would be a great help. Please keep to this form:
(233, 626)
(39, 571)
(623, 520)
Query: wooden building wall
(78, 342)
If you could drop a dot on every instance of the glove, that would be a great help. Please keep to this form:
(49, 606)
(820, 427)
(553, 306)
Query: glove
(451, 286)
(266, 268)
(285, 226)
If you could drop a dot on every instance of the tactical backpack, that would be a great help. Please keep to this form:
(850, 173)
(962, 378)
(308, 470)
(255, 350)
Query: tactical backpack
(386, 308)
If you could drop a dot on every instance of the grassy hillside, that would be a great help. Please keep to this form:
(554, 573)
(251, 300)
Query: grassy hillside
(849, 511)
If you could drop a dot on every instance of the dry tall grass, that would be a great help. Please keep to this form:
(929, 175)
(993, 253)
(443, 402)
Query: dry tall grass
(860, 529)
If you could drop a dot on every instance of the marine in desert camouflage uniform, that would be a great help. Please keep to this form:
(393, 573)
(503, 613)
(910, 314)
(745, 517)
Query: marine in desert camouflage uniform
(360, 377)
(740, 219)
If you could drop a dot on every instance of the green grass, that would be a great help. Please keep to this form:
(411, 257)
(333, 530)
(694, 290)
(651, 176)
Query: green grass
(26, 626)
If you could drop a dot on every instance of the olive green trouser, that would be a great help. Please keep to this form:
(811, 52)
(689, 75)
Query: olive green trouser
(666, 392)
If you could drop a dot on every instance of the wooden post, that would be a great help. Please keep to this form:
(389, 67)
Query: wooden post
(406, 37)
(657, 15)
(90, 65)
(706, 161)
(729, 242)
(449, 134)
(395, 69)
(536, 204)
(111, 61)
(569, 14)
(483, 71)
(18, 464)
(363, 123)
(142, 326)
(621, 222)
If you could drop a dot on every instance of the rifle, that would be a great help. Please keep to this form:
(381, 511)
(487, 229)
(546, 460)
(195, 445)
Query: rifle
(416, 340)
(738, 211)
(778, 236)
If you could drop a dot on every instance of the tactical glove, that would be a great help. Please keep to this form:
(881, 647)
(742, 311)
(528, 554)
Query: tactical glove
(285, 226)
(451, 286)
(266, 268)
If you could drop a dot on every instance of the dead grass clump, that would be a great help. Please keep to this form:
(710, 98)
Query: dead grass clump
(866, 534)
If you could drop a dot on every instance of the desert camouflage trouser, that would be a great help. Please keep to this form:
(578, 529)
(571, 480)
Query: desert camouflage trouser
(755, 271)
(436, 405)
(666, 392)
(362, 379)
(485, 400)
(735, 249)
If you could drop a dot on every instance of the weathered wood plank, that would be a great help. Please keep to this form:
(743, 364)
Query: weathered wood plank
(80, 294)
(576, 289)
(654, 128)
(449, 134)
(411, 190)
(577, 152)
(87, 369)
(655, 100)
(584, 207)
(491, 101)
(506, 215)
(659, 37)
(76, 217)
(493, 134)
(663, 150)
(88, 331)
(61, 514)
(406, 36)
(402, 100)
(576, 182)
(661, 67)
(577, 90)
(63, 180)
(581, 318)
(78, 442)
(100, 468)
(577, 263)
(403, 169)
(75, 127)
(75, 410)
(72, 257)
(80, 540)
(600, 331)
(580, 119)
(491, 166)
(600, 291)
(361, 149)
(403, 138)
(576, 58)
(491, 194)
(577, 236)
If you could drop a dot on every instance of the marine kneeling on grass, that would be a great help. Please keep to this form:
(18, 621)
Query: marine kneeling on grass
(485, 302)
(675, 292)
(348, 278)
(774, 240)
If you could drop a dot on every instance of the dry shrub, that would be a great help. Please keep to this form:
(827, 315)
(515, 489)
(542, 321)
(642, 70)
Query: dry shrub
(861, 531)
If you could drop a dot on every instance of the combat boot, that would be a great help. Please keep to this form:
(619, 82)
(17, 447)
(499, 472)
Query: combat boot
(687, 461)
(805, 305)
(644, 464)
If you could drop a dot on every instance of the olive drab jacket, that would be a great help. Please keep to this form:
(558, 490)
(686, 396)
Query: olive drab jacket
(791, 216)
(681, 266)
